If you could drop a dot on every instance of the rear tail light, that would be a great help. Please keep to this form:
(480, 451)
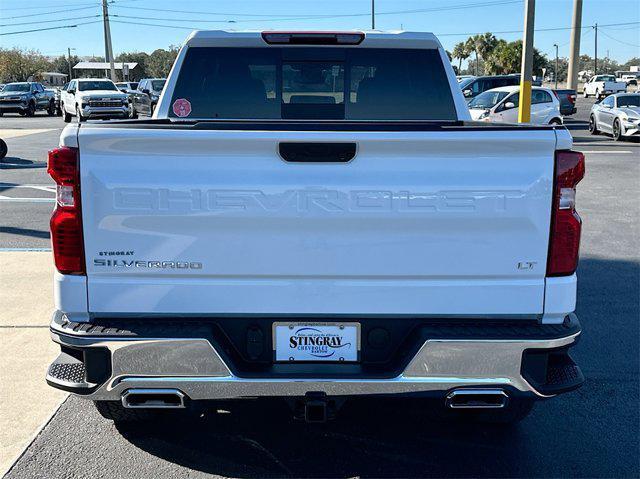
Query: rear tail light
(564, 242)
(313, 38)
(572, 98)
(66, 220)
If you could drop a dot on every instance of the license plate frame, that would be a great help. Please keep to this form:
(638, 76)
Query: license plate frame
(338, 350)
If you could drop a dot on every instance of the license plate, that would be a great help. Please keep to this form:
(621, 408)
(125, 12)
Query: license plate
(331, 342)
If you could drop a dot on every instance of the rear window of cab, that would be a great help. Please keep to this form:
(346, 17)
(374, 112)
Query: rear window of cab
(312, 83)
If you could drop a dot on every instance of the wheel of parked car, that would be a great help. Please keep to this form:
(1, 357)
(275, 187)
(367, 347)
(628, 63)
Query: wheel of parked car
(593, 127)
(584, 93)
(617, 130)
(65, 115)
(555, 121)
(31, 109)
(51, 109)
(79, 115)
(3, 149)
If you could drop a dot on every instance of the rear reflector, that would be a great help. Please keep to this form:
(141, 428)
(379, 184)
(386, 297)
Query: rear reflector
(66, 220)
(313, 38)
(566, 225)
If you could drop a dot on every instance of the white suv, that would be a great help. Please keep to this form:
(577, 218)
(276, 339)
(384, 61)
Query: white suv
(93, 98)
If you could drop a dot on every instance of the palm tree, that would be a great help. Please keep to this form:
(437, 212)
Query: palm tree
(482, 46)
(460, 52)
(471, 46)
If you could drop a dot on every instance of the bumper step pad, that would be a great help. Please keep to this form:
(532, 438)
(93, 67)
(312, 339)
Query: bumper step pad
(68, 373)
(562, 375)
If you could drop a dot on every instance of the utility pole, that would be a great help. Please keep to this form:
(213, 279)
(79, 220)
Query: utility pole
(556, 72)
(595, 54)
(69, 61)
(108, 49)
(526, 70)
(373, 14)
(574, 49)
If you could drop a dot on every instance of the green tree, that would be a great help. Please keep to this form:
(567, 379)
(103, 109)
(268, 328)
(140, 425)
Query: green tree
(506, 57)
(460, 52)
(482, 45)
(160, 61)
(61, 64)
(635, 61)
(605, 65)
(563, 67)
(140, 58)
(21, 65)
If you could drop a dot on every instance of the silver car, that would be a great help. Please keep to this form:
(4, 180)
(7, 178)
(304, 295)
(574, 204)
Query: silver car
(618, 115)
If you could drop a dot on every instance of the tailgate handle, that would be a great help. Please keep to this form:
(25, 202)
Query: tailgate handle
(317, 152)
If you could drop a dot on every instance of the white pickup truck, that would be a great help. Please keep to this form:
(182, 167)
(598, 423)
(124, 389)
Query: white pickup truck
(313, 216)
(603, 85)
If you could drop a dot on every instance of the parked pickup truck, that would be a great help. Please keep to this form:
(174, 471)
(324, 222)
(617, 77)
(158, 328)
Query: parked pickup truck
(603, 85)
(26, 98)
(567, 98)
(89, 98)
(313, 216)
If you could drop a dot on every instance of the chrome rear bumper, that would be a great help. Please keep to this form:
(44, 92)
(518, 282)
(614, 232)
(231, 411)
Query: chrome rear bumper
(194, 367)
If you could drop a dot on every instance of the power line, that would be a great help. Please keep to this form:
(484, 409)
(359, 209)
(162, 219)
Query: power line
(537, 30)
(130, 17)
(50, 28)
(45, 7)
(315, 17)
(617, 40)
(48, 21)
(150, 24)
(190, 20)
(48, 13)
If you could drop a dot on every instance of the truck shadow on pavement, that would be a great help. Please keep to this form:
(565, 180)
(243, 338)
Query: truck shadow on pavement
(370, 438)
(571, 435)
(11, 230)
(12, 162)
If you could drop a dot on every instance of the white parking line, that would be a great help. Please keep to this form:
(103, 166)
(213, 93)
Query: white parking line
(607, 152)
(28, 185)
(15, 133)
(48, 188)
(26, 200)
(2, 250)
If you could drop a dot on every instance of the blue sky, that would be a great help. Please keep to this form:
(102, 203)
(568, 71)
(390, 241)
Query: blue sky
(446, 18)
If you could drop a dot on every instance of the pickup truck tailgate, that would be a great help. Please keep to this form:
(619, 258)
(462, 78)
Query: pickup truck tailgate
(446, 223)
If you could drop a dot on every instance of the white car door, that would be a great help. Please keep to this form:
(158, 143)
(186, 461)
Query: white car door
(67, 98)
(508, 115)
(537, 107)
(542, 107)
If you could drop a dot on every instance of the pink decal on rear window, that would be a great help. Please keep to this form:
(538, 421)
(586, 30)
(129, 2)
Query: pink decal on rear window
(182, 107)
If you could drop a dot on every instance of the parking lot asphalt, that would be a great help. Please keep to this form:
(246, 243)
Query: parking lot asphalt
(593, 432)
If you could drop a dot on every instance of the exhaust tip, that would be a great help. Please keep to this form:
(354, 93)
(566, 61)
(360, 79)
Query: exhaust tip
(153, 399)
(477, 399)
